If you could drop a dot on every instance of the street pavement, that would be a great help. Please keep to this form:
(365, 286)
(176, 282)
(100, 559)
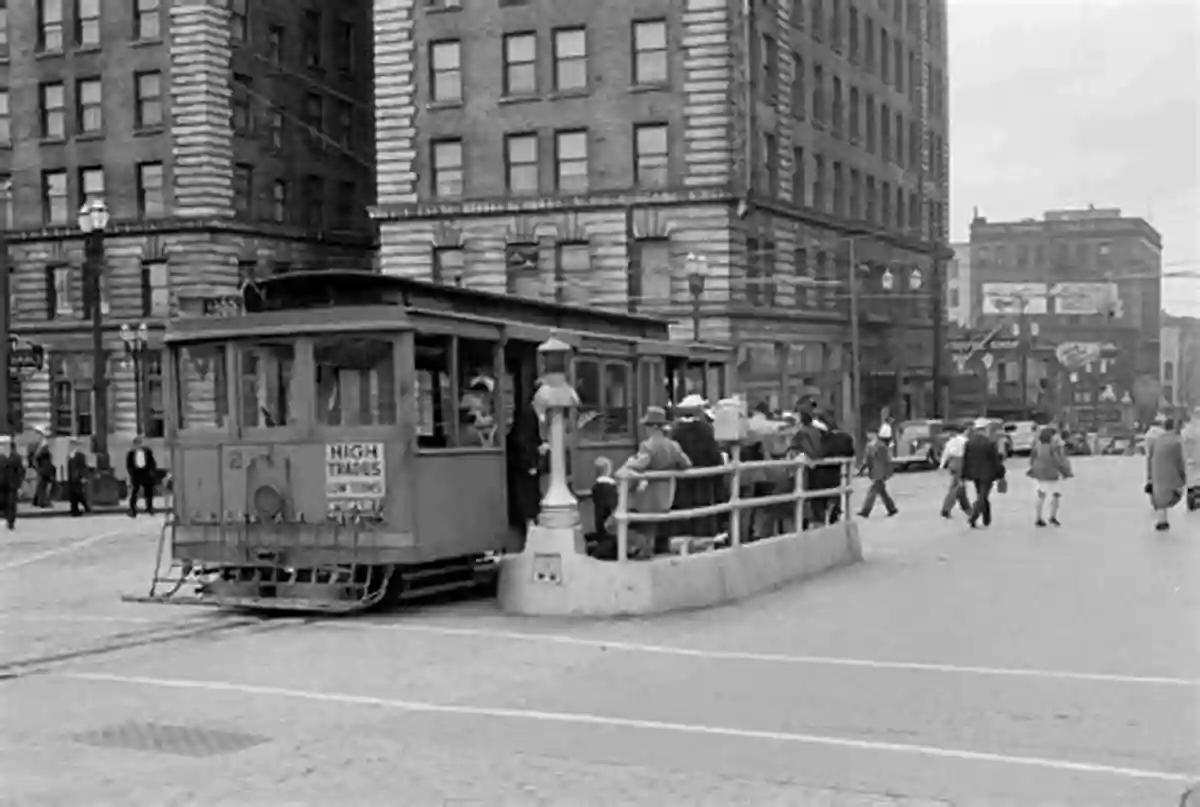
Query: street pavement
(1002, 666)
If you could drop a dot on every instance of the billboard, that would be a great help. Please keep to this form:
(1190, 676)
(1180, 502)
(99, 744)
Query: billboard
(1009, 298)
(1084, 299)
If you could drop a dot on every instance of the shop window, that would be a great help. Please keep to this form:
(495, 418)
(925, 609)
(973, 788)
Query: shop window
(606, 410)
(456, 392)
(202, 387)
(356, 380)
(267, 376)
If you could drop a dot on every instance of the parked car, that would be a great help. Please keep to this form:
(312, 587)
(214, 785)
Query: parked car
(919, 443)
(1022, 434)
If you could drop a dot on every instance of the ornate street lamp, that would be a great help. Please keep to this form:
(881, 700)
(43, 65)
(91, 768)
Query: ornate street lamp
(93, 219)
(137, 344)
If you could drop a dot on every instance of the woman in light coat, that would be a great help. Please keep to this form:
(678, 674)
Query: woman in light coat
(1166, 472)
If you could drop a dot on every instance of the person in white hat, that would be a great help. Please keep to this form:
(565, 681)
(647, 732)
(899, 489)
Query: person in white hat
(982, 466)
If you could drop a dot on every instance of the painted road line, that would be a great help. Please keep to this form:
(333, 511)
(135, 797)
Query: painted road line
(63, 550)
(771, 658)
(583, 719)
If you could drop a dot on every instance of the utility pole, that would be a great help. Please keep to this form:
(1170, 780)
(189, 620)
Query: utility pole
(5, 316)
(855, 350)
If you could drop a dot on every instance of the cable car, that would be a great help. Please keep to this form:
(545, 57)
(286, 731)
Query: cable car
(341, 440)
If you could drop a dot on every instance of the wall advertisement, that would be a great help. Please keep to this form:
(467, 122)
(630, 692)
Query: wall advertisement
(1010, 298)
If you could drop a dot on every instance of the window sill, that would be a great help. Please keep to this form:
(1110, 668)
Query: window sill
(146, 43)
(149, 131)
(443, 9)
(52, 141)
(84, 137)
(96, 48)
(520, 99)
(49, 54)
(562, 95)
(662, 86)
(443, 105)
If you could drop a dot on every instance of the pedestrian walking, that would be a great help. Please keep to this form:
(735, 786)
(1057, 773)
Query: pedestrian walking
(878, 464)
(1166, 472)
(983, 467)
(1048, 468)
(41, 460)
(142, 469)
(956, 490)
(78, 474)
(12, 477)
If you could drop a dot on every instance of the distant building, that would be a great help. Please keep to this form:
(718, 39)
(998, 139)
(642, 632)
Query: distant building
(1088, 277)
(226, 138)
(958, 286)
(1180, 371)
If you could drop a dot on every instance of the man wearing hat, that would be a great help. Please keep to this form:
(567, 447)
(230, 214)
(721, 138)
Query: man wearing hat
(41, 460)
(657, 452)
(12, 476)
(983, 466)
(694, 433)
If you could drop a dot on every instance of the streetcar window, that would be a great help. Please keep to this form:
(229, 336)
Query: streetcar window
(434, 391)
(355, 380)
(606, 399)
(201, 387)
(268, 371)
(477, 394)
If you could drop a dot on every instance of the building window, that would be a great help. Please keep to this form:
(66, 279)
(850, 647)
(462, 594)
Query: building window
(898, 148)
(346, 46)
(898, 65)
(58, 292)
(151, 190)
(240, 104)
(447, 164)
(869, 45)
(650, 52)
(900, 212)
(871, 125)
(854, 26)
(275, 125)
(839, 189)
(771, 162)
(449, 263)
(243, 190)
(885, 132)
(314, 202)
(872, 200)
(91, 184)
(154, 409)
(311, 35)
(799, 94)
(5, 118)
(279, 201)
(87, 23)
(89, 106)
(522, 269)
(570, 59)
(445, 67)
(818, 182)
(651, 284)
(885, 203)
(56, 206)
(839, 108)
(819, 112)
(855, 211)
(6, 204)
(275, 38)
(855, 115)
(520, 64)
(798, 181)
(149, 100)
(521, 163)
(651, 155)
(237, 21)
(572, 267)
(345, 123)
(50, 26)
(347, 203)
(156, 289)
(769, 68)
(885, 52)
(314, 120)
(571, 161)
(4, 53)
(147, 24)
(54, 111)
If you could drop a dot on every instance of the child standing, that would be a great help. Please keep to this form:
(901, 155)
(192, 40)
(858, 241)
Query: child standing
(1048, 467)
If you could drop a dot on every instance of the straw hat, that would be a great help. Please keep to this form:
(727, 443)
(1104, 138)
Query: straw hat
(692, 403)
(655, 416)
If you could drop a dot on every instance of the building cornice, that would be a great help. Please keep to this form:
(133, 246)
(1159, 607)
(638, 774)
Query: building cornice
(174, 226)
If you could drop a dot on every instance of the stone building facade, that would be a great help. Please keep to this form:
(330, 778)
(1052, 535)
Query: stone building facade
(195, 121)
(607, 153)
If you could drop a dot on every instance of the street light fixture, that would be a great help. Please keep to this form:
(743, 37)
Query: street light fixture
(137, 344)
(93, 220)
(697, 266)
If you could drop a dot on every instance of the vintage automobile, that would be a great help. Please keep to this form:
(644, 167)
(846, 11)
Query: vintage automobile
(919, 443)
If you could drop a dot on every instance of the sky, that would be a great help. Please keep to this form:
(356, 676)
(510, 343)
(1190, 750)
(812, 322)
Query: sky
(1062, 103)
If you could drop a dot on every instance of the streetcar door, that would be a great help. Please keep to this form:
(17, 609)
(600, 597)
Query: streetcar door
(520, 370)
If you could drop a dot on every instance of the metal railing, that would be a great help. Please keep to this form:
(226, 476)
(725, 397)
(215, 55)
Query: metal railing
(736, 503)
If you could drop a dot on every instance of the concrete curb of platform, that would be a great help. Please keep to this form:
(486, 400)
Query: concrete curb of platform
(54, 512)
(587, 587)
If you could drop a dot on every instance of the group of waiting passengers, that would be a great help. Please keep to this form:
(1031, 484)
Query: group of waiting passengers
(684, 438)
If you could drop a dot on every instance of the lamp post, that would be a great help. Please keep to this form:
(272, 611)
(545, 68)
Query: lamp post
(137, 343)
(560, 508)
(697, 271)
(93, 219)
(5, 310)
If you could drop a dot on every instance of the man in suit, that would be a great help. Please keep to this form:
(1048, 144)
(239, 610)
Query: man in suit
(78, 474)
(142, 469)
(41, 460)
(657, 452)
(12, 476)
(982, 466)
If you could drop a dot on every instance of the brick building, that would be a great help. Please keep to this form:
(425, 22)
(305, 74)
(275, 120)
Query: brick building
(581, 150)
(227, 138)
(1091, 277)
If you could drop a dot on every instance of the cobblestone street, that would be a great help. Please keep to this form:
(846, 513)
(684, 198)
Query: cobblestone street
(1002, 666)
